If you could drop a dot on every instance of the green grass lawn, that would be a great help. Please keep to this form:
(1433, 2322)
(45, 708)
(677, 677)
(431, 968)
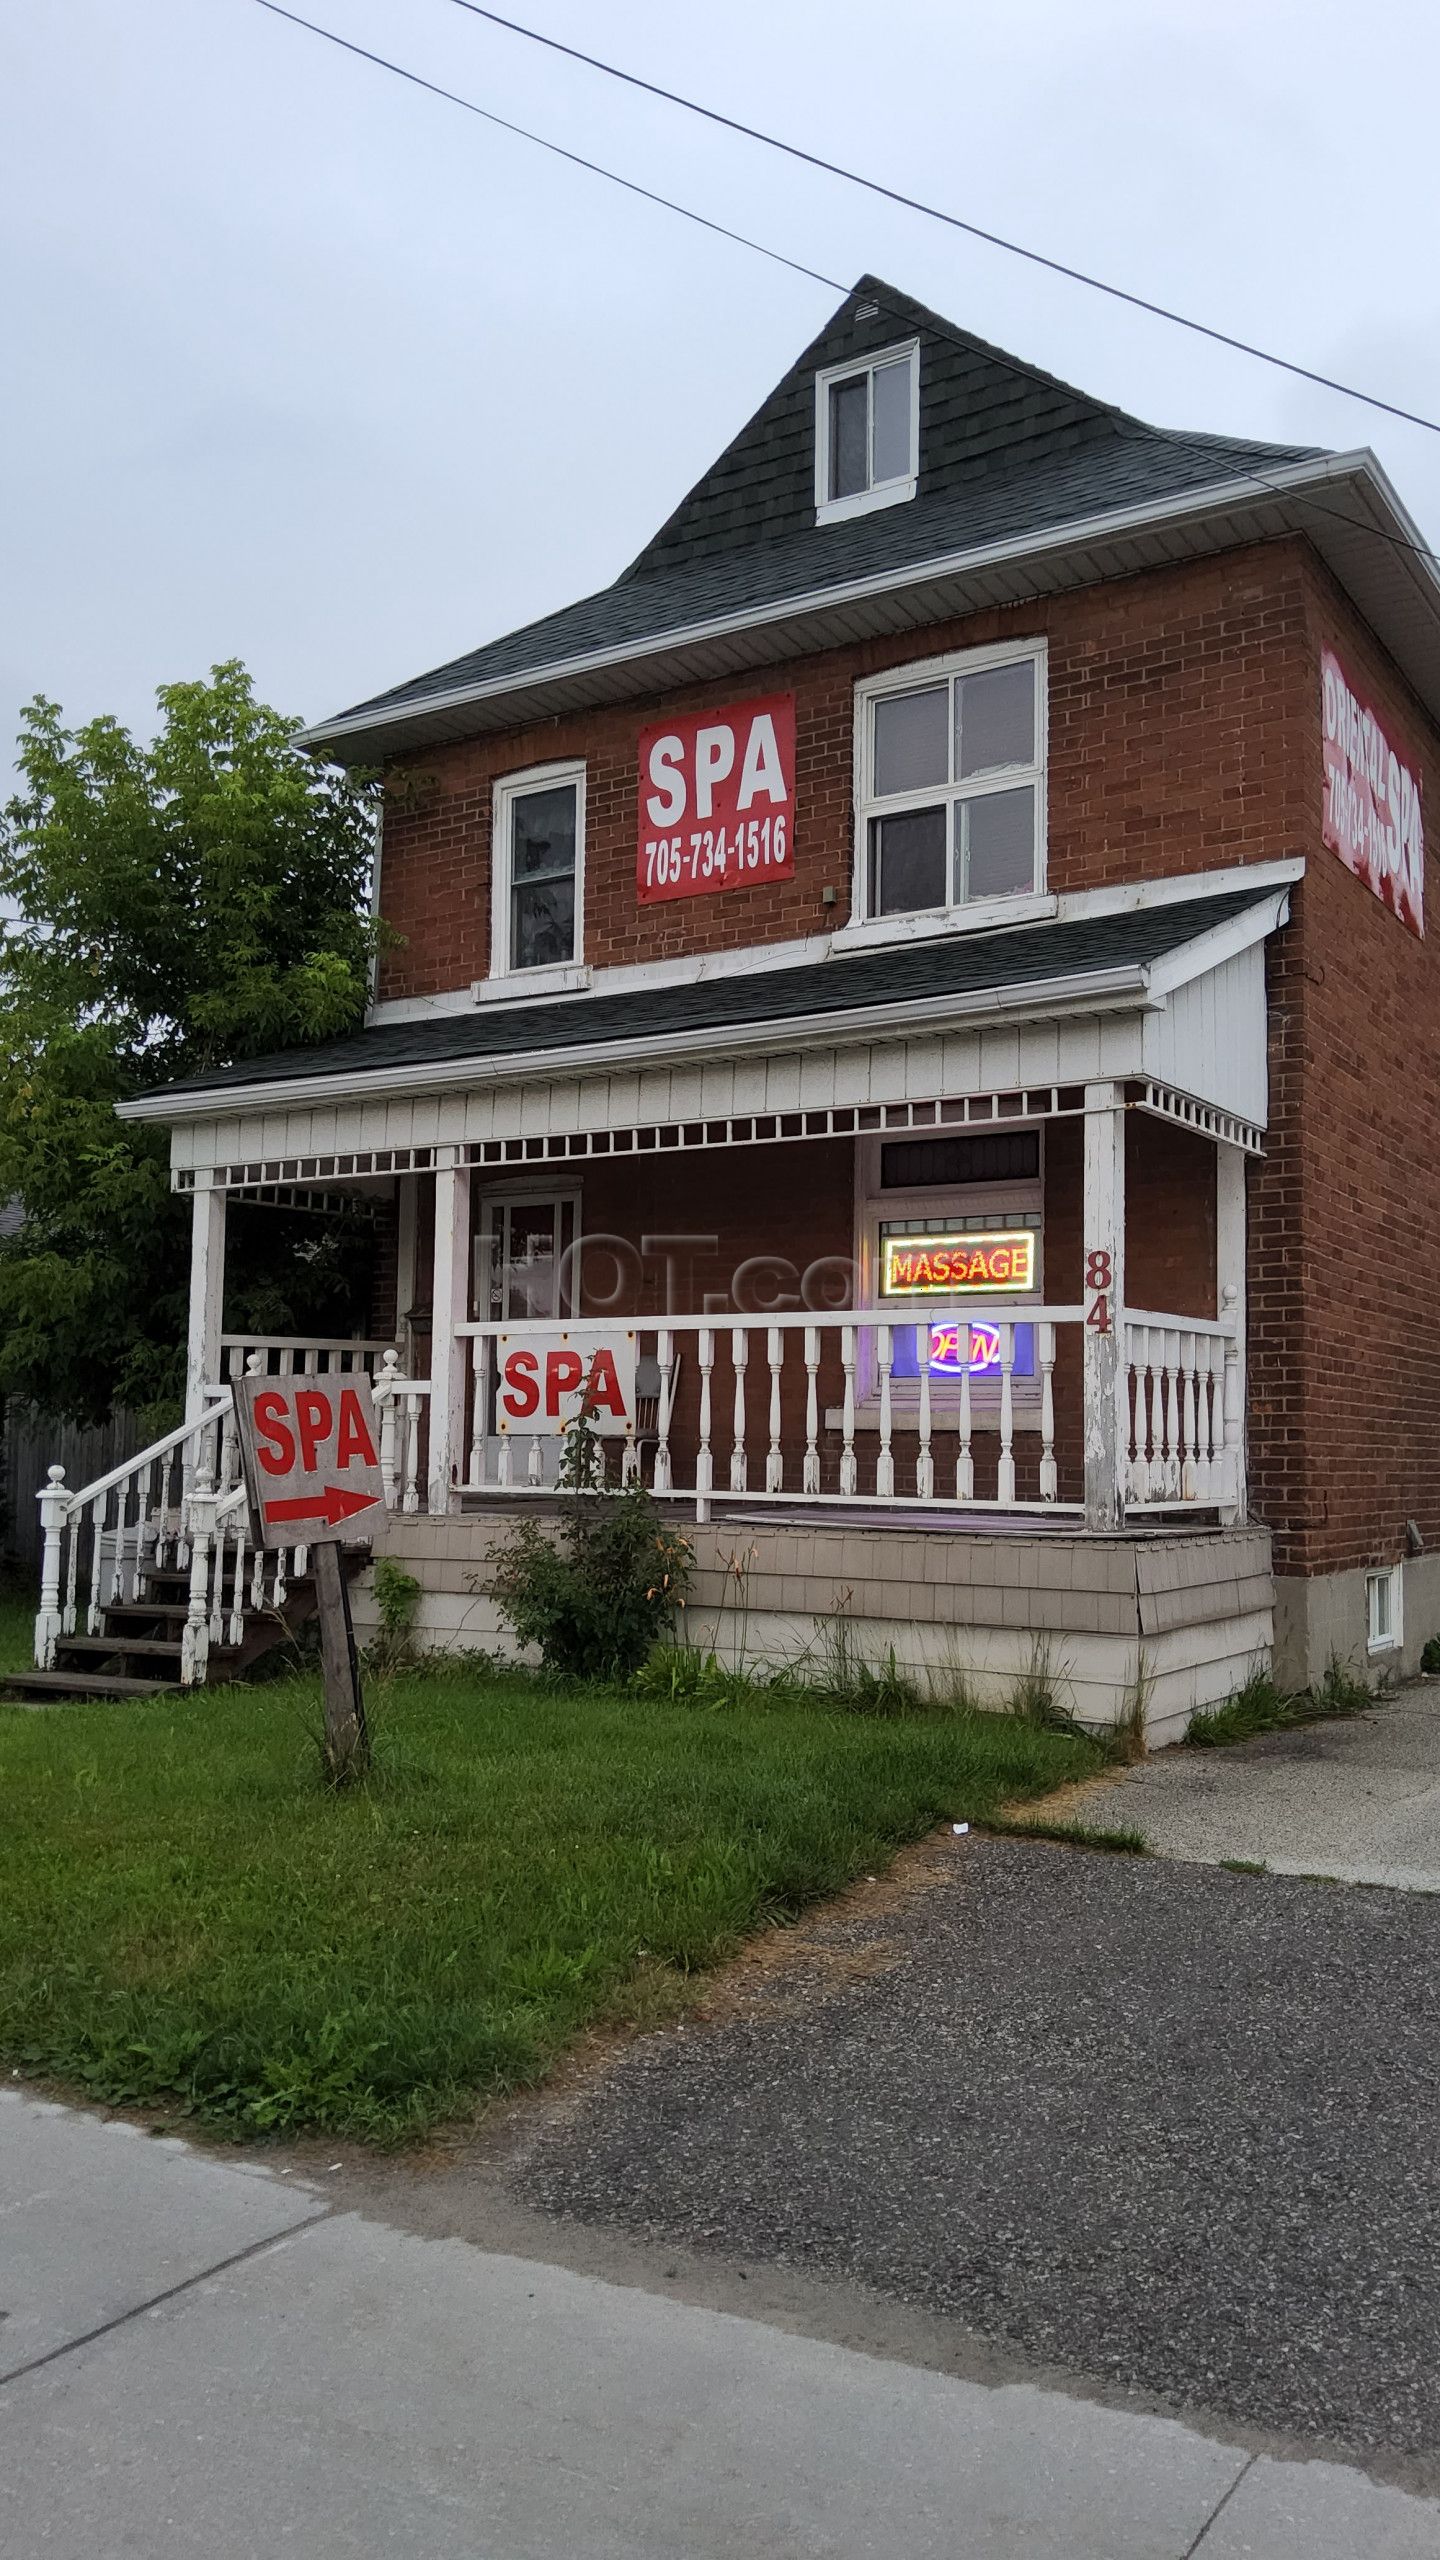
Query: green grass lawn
(188, 1920)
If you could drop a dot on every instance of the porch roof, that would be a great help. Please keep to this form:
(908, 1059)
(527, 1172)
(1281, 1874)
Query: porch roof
(1092, 960)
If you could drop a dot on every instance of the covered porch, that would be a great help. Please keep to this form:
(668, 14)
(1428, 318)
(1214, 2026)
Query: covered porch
(965, 1260)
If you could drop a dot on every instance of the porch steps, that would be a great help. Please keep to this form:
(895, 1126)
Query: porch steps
(139, 1650)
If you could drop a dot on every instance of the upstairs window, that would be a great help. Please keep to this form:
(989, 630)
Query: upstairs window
(951, 782)
(539, 861)
(867, 434)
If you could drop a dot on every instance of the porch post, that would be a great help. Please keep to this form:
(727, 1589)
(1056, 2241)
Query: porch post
(207, 1294)
(1103, 1290)
(1231, 1245)
(448, 1365)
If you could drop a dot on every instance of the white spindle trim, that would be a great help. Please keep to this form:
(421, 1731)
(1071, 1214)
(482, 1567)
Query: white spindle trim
(1005, 1467)
(704, 1460)
(775, 1460)
(849, 1471)
(664, 1407)
(965, 1454)
(739, 1355)
(1049, 1471)
(924, 1455)
(885, 1456)
(810, 1477)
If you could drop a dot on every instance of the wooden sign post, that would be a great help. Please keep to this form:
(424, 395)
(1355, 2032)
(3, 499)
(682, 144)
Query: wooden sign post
(310, 1451)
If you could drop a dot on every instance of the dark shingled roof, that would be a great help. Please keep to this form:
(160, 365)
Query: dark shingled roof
(963, 964)
(1006, 452)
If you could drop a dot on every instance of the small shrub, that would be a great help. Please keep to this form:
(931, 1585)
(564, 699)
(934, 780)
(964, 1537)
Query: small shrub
(596, 1597)
(397, 1598)
(1430, 1658)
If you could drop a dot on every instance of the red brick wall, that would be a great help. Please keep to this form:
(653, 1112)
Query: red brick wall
(1346, 1258)
(1184, 735)
(1174, 745)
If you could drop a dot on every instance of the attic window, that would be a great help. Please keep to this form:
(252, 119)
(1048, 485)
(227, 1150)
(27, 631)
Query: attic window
(867, 434)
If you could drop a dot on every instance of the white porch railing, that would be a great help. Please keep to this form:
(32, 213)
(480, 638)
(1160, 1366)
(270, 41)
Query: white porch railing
(290, 1356)
(180, 1505)
(826, 1408)
(1184, 1401)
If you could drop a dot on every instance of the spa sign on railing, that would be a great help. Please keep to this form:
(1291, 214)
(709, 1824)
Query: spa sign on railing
(1373, 817)
(717, 800)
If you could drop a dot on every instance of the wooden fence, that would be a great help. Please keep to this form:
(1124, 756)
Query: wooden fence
(31, 1443)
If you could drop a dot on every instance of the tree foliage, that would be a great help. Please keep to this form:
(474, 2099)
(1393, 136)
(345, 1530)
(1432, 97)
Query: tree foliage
(176, 906)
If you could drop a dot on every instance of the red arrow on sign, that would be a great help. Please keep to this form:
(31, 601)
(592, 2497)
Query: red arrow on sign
(331, 1505)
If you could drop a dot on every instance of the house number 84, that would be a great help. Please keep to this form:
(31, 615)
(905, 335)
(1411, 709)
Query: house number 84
(1097, 1289)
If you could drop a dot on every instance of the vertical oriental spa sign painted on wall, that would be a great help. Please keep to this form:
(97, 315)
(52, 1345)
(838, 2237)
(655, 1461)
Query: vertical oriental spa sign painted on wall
(717, 800)
(1373, 818)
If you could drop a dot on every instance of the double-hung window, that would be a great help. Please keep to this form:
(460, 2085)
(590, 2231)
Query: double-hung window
(867, 434)
(951, 782)
(539, 841)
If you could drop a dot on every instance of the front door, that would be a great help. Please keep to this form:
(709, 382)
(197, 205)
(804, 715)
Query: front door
(525, 1265)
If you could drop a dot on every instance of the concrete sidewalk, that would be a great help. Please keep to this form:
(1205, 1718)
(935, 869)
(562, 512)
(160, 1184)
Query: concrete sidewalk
(201, 2355)
(1357, 1800)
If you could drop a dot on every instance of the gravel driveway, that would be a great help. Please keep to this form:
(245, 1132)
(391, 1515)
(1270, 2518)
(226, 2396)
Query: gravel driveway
(1173, 2128)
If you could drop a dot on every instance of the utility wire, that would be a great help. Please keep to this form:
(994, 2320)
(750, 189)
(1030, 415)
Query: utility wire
(955, 221)
(780, 257)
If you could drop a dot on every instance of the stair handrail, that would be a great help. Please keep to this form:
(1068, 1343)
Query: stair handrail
(63, 1509)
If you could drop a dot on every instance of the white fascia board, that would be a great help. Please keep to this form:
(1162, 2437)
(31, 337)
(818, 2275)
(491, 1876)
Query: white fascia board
(1094, 991)
(1223, 942)
(1177, 888)
(1080, 533)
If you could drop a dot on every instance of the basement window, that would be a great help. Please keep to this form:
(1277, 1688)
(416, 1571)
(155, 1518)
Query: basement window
(867, 434)
(1384, 1595)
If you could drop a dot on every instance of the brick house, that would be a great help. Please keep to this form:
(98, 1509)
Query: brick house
(923, 982)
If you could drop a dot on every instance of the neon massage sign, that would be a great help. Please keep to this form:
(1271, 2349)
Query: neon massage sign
(947, 1266)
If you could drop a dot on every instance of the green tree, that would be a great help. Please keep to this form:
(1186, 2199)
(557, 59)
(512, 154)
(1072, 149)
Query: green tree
(175, 907)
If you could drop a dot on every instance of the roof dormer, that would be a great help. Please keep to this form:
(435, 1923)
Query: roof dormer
(867, 433)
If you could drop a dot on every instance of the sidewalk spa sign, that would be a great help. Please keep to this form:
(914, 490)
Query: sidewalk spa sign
(1373, 817)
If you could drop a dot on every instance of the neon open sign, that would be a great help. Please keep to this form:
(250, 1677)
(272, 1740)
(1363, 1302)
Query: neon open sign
(950, 1343)
(946, 1265)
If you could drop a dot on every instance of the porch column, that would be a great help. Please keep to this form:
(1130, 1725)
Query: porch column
(448, 1364)
(1103, 1290)
(207, 1293)
(1231, 1246)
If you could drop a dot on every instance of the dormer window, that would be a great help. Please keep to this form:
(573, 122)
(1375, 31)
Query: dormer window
(867, 434)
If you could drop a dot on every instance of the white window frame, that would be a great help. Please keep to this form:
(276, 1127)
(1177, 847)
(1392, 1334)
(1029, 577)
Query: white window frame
(550, 976)
(1391, 1578)
(1019, 906)
(880, 493)
(1019, 1201)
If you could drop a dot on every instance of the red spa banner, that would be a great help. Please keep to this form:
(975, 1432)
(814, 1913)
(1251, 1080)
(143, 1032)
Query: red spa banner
(1373, 817)
(717, 800)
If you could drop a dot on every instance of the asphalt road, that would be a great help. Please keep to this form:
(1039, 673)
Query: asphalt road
(1172, 2128)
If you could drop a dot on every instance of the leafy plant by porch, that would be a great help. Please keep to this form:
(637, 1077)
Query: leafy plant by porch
(175, 906)
(188, 1921)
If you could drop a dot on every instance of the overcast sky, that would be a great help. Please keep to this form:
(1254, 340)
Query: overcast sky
(305, 367)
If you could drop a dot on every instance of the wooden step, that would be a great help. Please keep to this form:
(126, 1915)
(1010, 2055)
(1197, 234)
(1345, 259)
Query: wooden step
(100, 1648)
(79, 1684)
(174, 1612)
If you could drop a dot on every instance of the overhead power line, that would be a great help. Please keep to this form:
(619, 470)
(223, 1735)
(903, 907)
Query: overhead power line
(762, 248)
(954, 221)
